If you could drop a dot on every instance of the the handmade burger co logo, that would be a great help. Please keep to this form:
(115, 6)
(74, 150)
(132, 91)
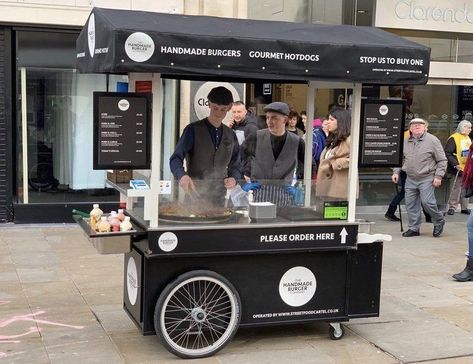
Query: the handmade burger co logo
(297, 286)
(123, 104)
(383, 109)
(132, 281)
(139, 47)
(167, 241)
(91, 35)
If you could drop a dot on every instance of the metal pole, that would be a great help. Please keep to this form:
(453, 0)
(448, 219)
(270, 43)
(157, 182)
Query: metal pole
(308, 143)
(156, 148)
(24, 135)
(355, 140)
(399, 205)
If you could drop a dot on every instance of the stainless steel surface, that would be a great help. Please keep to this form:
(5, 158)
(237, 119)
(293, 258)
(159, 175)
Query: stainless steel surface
(112, 244)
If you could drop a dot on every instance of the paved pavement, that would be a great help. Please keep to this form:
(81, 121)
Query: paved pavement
(60, 302)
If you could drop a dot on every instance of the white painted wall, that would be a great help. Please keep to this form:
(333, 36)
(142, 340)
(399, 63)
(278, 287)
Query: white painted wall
(75, 12)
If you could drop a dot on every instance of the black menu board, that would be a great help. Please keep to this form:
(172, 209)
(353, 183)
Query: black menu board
(122, 130)
(382, 132)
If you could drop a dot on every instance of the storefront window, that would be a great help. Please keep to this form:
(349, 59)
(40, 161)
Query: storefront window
(443, 107)
(465, 51)
(300, 11)
(54, 123)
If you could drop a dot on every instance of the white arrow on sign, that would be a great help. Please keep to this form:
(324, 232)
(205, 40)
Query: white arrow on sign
(343, 234)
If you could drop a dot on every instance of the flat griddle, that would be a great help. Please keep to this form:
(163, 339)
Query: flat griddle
(195, 219)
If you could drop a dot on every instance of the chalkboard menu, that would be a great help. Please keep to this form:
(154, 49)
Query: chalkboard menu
(382, 132)
(122, 130)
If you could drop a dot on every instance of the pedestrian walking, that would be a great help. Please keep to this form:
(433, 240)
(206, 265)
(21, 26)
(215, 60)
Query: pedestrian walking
(456, 150)
(400, 193)
(467, 184)
(425, 164)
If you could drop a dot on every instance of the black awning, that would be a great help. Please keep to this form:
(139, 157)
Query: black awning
(184, 46)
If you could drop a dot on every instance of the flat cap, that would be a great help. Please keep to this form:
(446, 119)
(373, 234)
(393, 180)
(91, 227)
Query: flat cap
(417, 121)
(220, 95)
(279, 107)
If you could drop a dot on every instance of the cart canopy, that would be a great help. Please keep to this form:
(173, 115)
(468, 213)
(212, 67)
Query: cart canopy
(204, 47)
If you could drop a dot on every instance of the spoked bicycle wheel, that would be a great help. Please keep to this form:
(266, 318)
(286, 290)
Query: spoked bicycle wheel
(197, 314)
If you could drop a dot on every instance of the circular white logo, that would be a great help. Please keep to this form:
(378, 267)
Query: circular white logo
(297, 286)
(167, 241)
(123, 104)
(132, 281)
(201, 104)
(383, 110)
(139, 47)
(91, 35)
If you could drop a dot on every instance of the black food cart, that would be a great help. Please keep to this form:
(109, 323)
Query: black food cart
(194, 279)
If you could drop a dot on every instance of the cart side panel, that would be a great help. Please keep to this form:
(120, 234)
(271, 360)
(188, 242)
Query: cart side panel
(319, 279)
(270, 287)
(365, 280)
(133, 286)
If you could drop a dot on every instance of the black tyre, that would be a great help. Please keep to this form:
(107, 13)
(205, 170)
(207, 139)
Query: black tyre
(197, 314)
(336, 334)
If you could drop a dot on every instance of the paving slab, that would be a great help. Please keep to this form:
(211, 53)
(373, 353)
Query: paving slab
(418, 340)
(24, 351)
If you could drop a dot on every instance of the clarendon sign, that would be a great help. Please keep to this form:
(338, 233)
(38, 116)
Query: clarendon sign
(438, 15)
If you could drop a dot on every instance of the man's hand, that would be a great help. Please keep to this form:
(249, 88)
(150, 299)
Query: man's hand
(186, 183)
(247, 179)
(437, 182)
(395, 177)
(229, 183)
(231, 123)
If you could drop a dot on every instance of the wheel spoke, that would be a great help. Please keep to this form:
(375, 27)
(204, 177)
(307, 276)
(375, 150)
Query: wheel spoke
(217, 295)
(185, 298)
(175, 325)
(223, 296)
(210, 293)
(214, 327)
(183, 333)
(182, 306)
(190, 297)
(218, 307)
(224, 315)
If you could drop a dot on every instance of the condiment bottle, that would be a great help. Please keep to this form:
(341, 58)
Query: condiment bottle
(95, 216)
(112, 213)
(121, 215)
(126, 224)
(103, 226)
(114, 221)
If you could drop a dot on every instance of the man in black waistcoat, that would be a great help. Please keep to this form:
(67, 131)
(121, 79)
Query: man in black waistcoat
(209, 147)
(274, 157)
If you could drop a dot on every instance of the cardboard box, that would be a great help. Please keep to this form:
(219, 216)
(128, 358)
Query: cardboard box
(120, 176)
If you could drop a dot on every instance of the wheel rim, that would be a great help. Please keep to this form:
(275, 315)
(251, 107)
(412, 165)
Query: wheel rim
(199, 315)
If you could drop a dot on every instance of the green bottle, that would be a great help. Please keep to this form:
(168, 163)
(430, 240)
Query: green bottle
(80, 213)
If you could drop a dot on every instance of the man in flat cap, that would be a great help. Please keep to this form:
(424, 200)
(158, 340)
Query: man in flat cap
(272, 155)
(210, 148)
(425, 164)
